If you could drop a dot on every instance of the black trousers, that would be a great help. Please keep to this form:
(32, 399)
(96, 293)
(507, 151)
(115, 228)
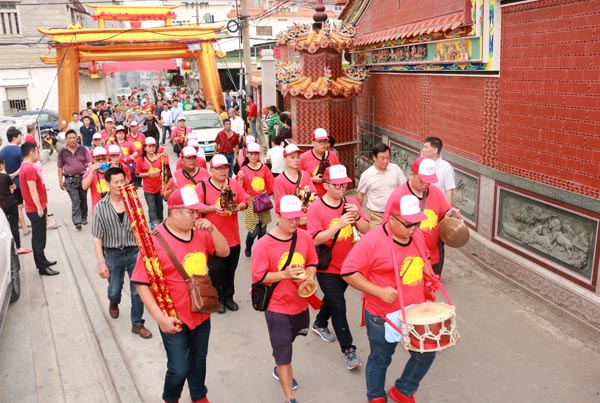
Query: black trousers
(439, 266)
(12, 215)
(334, 308)
(222, 273)
(38, 238)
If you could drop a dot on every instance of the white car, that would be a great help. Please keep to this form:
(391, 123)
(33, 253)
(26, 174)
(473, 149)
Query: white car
(19, 123)
(119, 92)
(10, 267)
(205, 124)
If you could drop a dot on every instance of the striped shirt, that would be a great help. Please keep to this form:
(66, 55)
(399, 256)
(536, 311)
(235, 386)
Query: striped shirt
(107, 226)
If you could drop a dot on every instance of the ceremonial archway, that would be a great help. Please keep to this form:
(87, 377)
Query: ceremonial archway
(76, 45)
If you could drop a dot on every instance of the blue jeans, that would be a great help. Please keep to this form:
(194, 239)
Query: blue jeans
(253, 128)
(231, 159)
(165, 130)
(380, 358)
(259, 232)
(186, 359)
(155, 208)
(120, 261)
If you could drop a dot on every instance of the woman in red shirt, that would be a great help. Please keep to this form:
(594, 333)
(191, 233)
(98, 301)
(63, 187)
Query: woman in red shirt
(256, 178)
(149, 167)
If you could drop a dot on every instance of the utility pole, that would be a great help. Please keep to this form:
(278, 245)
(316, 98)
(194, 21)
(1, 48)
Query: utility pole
(247, 52)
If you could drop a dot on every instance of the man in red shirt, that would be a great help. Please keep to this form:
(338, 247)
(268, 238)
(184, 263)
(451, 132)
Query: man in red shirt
(192, 241)
(252, 112)
(227, 143)
(222, 269)
(287, 313)
(30, 136)
(331, 222)
(179, 135)
(34, 195)
(316, 160)
(190, 173)
(433, 204)
(392, 255)
(109, 132)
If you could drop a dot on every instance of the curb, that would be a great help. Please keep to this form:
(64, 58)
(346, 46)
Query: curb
(111, 358)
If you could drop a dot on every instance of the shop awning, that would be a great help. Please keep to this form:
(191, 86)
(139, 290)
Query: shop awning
(142, 65)
(437, 24)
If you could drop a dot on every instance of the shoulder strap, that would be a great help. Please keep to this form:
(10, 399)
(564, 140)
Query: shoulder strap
(291, 252)
(338, 232)
(299, 180)
(171, 255)
(424, 199)
(190, 177)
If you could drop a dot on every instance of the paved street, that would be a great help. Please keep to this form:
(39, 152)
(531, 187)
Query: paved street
(60, 345)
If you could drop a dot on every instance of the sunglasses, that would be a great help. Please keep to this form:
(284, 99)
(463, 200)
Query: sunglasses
(338, 186)
(407, 226)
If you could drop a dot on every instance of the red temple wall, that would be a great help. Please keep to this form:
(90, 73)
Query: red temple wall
(539, 120)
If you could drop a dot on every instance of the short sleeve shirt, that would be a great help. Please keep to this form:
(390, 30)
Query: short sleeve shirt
(378, 186)
(284, 186)
(310, 163)
(227, 144)
(372, 257)
(180, 179)
(257, 181)
(193, 255)
(322, 216)
(150, 184)
(98, 188)
(29, 173)
(436, 207)
(228, 223)
(270, 255)
(445, 174)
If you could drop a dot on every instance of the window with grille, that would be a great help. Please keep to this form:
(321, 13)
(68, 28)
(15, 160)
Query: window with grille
(9, 19)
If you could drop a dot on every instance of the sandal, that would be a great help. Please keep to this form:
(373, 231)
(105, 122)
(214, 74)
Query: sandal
(22, 251)
(53, 226)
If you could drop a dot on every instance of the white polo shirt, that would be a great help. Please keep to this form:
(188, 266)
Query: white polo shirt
(445, 174)
(378, 186)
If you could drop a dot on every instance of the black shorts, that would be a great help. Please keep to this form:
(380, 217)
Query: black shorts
(283, 330)
(18, 196)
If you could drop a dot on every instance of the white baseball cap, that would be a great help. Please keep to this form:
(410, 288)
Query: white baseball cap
(425, 168)
(193, 143)
(108, 120)
(291, 149)
(290, 207)
(253, 148)
(97, 136)
(99, 152)
(336, 174)
(320, 134)
(250, 139)
(150, 141)
(185, 197)
(188, 152)
(218, 161)
(114, 149)
(407, 206)
(133, 123)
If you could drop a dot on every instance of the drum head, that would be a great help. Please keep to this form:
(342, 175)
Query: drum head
(429, 312)
(453, 232)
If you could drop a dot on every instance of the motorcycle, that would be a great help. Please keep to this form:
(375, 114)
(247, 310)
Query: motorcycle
(49, 139)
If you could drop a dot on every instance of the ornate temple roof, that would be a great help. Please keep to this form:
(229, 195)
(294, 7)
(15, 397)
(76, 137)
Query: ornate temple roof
(303, 37)
(291, 81)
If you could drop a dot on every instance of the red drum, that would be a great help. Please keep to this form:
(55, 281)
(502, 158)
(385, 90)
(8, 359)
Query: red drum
(431, 327)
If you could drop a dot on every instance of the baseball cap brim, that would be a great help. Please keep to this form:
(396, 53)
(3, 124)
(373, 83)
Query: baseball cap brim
(340, 181)
(195, 206)
(413, 218)
(429, 179)
(293, 214)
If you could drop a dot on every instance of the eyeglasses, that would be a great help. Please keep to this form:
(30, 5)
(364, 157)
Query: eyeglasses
(338, 186)
(322, 141)
(407, 226)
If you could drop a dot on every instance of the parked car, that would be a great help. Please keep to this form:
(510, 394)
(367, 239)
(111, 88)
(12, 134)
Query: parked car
(119, 92)
(206, 124)
(10, 267)
(45, 119)
(19, 123)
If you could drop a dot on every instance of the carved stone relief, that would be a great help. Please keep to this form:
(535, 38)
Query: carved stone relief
(403, 157)
(466, 195)
(565, 239)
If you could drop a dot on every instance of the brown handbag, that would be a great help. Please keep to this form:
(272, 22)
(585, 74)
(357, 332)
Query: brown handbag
(203, 296)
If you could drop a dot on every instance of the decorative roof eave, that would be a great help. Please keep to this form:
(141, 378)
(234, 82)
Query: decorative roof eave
(439, 24)
(302, 37)
(305, 86)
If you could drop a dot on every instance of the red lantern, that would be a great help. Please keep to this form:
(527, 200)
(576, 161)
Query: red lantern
(186, 65)
(94, 70)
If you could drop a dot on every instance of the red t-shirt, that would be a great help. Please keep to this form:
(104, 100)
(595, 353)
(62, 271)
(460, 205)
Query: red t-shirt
(252, 110)
(436, 205)
(127, 150)
(228, 223)
(258, 181)
(98, 188)
(226, 144)
(310, 163)
(284, 186)
(108, 137)
(177, 132)
(193, 255)
(30, 139)
(181, 180)
(270, 255)
(138, 142)
(26, 174)
(372, 257)
(201, 162)
(322, 216)
(150, 184)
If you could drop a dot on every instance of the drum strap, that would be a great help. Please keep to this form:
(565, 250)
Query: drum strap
(397, 275)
